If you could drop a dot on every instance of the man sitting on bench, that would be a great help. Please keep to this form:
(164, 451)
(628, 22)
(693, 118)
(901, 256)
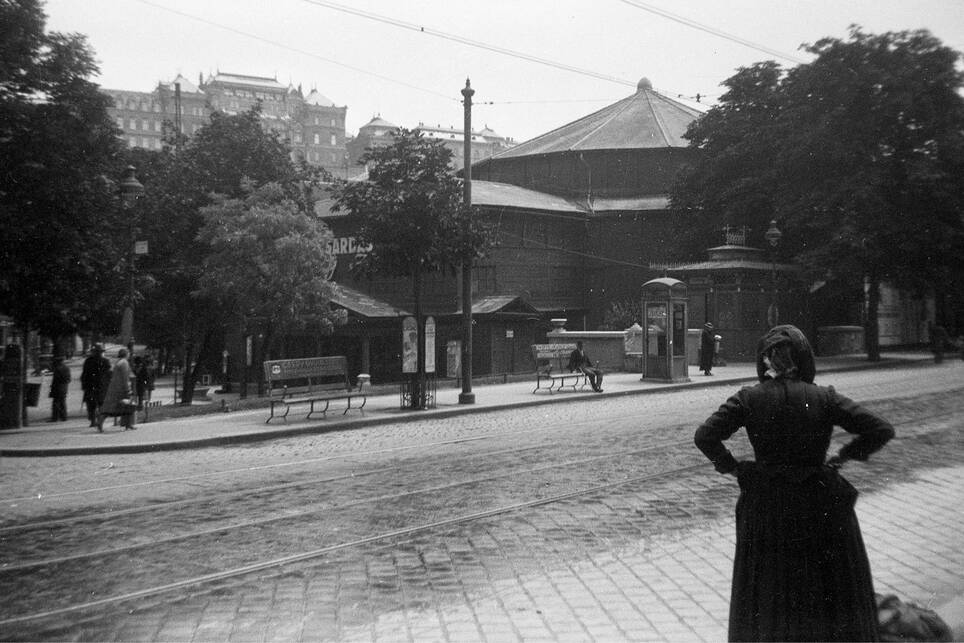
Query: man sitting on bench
(579, 361)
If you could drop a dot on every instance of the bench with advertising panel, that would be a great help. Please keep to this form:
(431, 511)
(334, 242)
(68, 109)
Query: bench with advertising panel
(314, 382)
(552, 371)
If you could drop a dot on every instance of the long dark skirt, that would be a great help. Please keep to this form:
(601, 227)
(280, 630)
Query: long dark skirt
(801, 571)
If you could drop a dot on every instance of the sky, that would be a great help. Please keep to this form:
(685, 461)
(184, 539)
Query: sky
(535, 65)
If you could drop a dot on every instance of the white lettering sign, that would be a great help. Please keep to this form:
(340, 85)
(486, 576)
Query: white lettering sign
(348, 246)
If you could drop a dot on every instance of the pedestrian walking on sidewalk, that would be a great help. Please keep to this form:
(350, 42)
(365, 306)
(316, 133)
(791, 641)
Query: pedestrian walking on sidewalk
(58, 390)
(119, 398)
(800, 571)
(94, 379)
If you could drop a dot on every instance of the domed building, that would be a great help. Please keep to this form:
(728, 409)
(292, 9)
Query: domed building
(583, 209)
(582, 213)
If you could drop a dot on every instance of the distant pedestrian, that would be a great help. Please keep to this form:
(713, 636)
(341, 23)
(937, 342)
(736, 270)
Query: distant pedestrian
(58, 390)
(579, 361)
(143, 379)
(707, 348)
(939, 340)
(94, 379)
(800, 572)
(118, 399)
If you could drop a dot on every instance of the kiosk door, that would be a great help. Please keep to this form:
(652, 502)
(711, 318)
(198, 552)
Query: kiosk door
(656, 363)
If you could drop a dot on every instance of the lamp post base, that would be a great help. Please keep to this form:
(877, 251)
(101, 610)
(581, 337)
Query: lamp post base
(467, 398)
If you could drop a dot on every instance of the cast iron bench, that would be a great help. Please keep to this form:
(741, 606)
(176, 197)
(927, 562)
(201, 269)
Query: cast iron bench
(549, 357)
(319, 380)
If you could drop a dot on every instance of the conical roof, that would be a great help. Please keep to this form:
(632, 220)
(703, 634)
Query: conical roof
(378, 121)
(187, 87)
(646, 119)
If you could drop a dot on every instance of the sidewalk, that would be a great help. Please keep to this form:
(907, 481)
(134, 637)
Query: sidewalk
(75, 437)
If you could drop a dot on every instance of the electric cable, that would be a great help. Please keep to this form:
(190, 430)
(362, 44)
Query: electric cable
(297, 50)
(712, 31)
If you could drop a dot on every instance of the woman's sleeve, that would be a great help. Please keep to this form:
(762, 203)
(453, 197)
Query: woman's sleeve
(872, 431)
(719, 427)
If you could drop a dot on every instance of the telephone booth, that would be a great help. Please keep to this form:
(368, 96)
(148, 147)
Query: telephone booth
(665, 318)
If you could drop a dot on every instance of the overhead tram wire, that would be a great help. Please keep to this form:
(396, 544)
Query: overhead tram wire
(282, 45)
(487, 47)
(468, 41)
(713, 31)
(409, 26)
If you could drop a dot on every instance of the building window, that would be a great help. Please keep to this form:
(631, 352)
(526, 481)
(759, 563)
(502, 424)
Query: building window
(145, 125)
(316, 121)
(132, 124)
(484, 278)
(317, 139)
(157, 126)
(334, 140)
(333, 123)
(120, 122)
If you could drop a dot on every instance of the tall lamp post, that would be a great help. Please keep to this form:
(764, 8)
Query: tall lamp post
(130, 189)
(467, 396)
(773, 236)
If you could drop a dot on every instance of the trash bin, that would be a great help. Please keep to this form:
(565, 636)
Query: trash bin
(31, 394)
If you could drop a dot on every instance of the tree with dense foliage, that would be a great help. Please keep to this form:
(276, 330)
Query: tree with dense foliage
(62, 251)
(410, 211)
(228, 158)
(269, 260)
(859, 155)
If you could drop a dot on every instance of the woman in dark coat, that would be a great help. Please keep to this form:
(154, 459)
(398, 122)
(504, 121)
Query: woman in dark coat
(800, 572)
(707, 348)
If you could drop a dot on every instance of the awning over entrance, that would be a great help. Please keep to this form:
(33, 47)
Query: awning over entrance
(364, 305)
(503, 305)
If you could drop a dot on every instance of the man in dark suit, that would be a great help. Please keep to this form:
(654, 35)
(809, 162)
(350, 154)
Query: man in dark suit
(579, 361)
(94, 380)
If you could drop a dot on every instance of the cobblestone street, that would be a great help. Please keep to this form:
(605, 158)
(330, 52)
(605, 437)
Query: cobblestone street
(571, 521)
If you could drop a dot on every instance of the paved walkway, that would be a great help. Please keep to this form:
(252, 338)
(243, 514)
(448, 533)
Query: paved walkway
(210, 427)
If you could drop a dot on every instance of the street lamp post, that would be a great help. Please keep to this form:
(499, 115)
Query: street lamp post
(130, 189)
(773, 236)
(467, 396)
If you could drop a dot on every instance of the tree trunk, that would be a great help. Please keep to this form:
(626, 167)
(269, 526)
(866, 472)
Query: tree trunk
(872, 325)
(262, 356)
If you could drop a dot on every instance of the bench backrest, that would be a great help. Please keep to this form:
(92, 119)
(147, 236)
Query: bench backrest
(552, 356)
(323, 372)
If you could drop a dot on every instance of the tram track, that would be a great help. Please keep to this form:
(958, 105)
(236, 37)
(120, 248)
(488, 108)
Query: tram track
(385, 533)
(212, 475)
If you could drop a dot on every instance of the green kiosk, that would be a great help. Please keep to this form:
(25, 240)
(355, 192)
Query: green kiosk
(665, 317)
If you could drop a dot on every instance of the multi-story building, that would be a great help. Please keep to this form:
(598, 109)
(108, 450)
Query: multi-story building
(311, 123)
(378, 132)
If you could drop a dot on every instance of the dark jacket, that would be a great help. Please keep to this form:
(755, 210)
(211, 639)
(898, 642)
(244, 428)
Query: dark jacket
(95, 377)
(578, 360)
(60, 381)
(707, 348)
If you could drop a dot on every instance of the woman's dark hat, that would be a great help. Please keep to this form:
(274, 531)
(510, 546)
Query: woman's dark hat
(800, 350)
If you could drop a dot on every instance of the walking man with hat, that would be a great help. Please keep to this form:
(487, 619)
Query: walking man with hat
(94, 379)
